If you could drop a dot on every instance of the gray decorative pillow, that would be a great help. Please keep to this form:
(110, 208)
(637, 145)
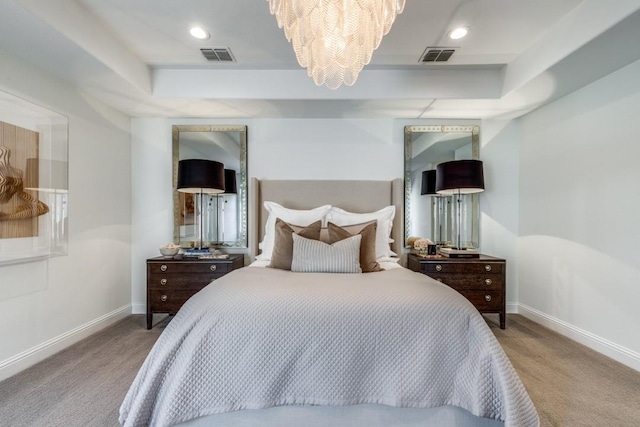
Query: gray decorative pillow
(314, 256)
(283, 242)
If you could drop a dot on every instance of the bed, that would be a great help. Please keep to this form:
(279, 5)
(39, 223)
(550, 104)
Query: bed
(272, 346)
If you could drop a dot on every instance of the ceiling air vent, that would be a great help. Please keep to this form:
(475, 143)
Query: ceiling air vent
(218, 54)
(437, 54)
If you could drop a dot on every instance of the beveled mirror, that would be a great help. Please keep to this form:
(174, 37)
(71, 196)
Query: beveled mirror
(424, 148)
(224, 216)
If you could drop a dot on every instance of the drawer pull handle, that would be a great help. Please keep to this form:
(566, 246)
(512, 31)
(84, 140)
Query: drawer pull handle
(438, 267)
(487, 267)
(213, 267)
(488, 282)
(487, 298)
(163, 282)
(163, 298)
(163, 267)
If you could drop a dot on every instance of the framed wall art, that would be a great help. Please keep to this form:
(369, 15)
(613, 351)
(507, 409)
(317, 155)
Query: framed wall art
(34, 187)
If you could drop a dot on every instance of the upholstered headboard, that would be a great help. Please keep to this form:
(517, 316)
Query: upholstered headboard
(353, 196)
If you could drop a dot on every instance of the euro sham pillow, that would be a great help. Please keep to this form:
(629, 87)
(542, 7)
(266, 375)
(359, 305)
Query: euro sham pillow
(383, 217)
(299, 217)
(368, 257)
(314, 256)
(282, 253)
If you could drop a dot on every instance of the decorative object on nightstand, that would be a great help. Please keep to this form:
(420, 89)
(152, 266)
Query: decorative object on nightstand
(171, 282)
(198, 176)
(481, 280)
(424, 246)
(169, 250)
(460, 178)
(440, 205)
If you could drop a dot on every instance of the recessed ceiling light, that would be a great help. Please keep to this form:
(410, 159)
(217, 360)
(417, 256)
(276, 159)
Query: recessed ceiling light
(458, 33)
(199, 33)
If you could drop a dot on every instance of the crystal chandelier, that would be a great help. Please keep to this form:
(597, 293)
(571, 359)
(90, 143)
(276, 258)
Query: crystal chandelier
(334, 39)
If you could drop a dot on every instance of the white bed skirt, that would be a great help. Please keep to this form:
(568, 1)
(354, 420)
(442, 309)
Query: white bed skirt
(365, 415)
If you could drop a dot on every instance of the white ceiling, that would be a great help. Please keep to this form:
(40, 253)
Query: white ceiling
(138, 56)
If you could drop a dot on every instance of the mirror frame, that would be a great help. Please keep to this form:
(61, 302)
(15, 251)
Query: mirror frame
(243, 241)
(474, 132)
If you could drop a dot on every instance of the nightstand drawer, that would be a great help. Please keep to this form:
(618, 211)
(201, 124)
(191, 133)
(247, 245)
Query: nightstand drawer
(460, 267)
(464, 281)
(170, 302)
(190, 267)
(180, 281)
(485, 301)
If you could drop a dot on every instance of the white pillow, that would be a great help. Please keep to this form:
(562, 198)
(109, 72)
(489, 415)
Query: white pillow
(297, 217)
(384, 218)
(314, 256)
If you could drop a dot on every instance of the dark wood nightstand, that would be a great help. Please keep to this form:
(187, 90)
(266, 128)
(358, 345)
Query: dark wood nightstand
(481, 280)
(172, 281)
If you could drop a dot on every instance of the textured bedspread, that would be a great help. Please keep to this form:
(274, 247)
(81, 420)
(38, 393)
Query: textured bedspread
(261, 337)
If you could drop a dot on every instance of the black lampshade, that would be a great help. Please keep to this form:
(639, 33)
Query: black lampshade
(428, 183)
(459, 177)
(200, 176)
(230, 185)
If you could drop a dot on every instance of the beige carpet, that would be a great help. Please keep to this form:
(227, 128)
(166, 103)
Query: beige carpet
(85, 384)
(570, 384)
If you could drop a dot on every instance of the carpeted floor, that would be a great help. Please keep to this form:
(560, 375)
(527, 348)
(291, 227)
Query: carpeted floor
(84, 385)
(570, 384)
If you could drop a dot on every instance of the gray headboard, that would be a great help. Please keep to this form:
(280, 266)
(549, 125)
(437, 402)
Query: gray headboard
(353, 196)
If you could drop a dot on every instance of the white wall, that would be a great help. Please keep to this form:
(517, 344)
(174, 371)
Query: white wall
(499, 201)
(47, 305)
(325, 149)
(578, 255)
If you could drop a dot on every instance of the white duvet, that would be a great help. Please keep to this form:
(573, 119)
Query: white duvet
(261, 337)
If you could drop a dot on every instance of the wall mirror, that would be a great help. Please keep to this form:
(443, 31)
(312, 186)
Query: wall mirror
(432, 216)
(224, 216)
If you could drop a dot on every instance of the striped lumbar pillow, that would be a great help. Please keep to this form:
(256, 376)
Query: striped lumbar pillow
(314, 256)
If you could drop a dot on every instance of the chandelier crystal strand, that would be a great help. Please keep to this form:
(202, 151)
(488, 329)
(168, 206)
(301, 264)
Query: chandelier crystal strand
(335, 39)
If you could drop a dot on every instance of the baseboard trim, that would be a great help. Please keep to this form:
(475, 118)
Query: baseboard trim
(21, 361)
(139, 308)
(617, 352)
